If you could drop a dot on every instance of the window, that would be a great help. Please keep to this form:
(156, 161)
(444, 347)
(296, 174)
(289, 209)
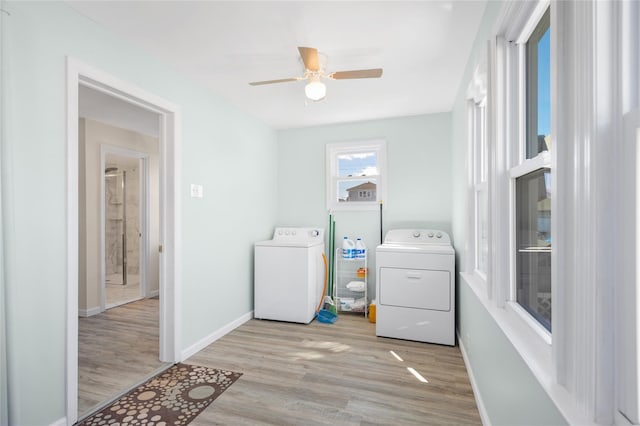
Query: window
(479, 157)
(533, 244)
(558, 199)
(355, 175)
(532, 181)
(481, 199)
(538, 81)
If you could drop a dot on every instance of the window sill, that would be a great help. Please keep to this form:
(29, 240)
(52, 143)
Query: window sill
(539, 332)
(532, 348)
(478, 280)
(355, 206)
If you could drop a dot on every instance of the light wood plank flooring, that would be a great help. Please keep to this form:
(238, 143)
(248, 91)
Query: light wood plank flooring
(337, 374)
(117, 294)
(294, 374)
(116, 349)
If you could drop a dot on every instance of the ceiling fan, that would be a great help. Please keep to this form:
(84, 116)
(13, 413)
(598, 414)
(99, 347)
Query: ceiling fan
(314, 64)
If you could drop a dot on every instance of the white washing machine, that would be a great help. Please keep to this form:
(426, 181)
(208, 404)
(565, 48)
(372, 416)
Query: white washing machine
(415, 286)
(289, 275)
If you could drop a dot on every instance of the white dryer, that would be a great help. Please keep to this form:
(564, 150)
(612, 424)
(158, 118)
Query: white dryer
(415, 286)
(289, 275)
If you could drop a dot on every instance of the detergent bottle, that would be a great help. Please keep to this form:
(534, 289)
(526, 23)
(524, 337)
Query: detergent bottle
(361, 249)
(348, 248)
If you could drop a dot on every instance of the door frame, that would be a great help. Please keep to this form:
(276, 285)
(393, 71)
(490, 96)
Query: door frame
(77, 73)
(143, 211)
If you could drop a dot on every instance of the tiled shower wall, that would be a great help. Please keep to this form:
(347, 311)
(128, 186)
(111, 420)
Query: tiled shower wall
(113, 224)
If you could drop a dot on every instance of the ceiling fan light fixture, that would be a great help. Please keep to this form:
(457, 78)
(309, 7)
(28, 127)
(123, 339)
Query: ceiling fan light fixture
(315, 90)
(314, 71)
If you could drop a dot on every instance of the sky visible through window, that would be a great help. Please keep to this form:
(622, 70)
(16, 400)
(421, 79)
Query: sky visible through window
(356, 165)
(544, 84)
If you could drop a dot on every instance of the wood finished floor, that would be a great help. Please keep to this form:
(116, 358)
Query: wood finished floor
(293, 374)
(338, 374)
(116, 349)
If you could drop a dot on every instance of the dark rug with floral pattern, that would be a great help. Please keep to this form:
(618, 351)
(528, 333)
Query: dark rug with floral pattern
(174, 397)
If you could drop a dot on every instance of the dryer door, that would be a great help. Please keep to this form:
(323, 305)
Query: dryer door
(415, 288)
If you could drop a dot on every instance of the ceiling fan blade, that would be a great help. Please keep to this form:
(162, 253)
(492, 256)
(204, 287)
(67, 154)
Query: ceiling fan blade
(309, 56)
(342, 75)
(282, 80)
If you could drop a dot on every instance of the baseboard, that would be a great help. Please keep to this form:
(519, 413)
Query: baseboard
(207, 340)
(484, 416)
(60, 422)
(89, 312)
(154, 293)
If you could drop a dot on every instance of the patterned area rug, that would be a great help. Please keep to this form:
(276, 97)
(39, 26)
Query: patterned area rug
(173, 397)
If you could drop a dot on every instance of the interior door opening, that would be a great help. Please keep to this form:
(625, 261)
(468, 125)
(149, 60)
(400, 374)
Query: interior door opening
(119, 162)
(87, 179)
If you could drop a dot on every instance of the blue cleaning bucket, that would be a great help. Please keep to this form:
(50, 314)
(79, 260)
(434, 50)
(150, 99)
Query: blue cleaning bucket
(327, 317)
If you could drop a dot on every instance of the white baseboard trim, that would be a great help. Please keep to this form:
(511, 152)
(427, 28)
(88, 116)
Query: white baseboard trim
(207, 340)
(60, 422)
(484, 416)
(89, 312)
(154, 293)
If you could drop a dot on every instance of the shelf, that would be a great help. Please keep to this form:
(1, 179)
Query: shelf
(348, 271)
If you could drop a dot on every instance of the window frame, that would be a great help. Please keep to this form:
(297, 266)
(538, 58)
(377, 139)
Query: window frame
(478, 116)
(530, 62)
(479, 181)
(505, 121)
(481, 185)
(521, 165)
(628, 395)
(333, 150)
(627, 320)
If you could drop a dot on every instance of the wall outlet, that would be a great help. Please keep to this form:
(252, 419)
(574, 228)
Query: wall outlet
(196, 191)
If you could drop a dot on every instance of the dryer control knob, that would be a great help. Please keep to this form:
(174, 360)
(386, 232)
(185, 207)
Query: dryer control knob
(416, 234)
(286, 232)
(439, 235)
(430, 234)
(315, 233)
(279, 231)
(293, 232)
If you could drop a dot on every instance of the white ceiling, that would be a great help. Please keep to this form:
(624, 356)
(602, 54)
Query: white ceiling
(423, 47)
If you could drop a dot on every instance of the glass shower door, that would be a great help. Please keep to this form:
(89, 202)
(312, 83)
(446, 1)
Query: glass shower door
(115, 226)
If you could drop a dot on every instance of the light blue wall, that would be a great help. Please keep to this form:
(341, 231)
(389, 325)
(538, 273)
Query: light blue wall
(419, 177)
(510, 392)
(233, 156)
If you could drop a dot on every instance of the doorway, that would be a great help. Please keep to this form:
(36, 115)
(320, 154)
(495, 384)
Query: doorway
(118, 160)
(81, 75)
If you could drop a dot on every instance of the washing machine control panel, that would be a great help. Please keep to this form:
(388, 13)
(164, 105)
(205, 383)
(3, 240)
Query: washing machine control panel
(417, 236)
(298, 234)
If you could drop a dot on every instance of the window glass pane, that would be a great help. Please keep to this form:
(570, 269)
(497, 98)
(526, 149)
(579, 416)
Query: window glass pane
(482, 228)
(357, 190)
(358, 164)
(533, 242)
(539, 88)
(484, 155)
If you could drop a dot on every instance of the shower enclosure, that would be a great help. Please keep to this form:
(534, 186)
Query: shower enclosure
(122, 230)
(116, 224)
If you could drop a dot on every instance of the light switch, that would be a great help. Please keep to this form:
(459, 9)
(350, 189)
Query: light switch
(196, 191)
